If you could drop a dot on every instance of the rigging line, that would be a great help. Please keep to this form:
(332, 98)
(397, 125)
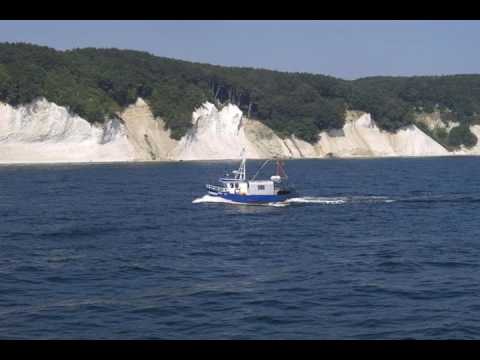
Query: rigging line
(261, 167)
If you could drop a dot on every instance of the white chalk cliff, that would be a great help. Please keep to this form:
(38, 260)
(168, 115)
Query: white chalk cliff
(360, 136)
(434, 122)
(45, 132)
(222, 134)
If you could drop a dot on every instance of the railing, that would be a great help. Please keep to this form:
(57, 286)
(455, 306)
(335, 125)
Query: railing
(215, 188)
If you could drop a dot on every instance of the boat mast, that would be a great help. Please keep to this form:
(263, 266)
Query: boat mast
(281, 170)
(242, 170)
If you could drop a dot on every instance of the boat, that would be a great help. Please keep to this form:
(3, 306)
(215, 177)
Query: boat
(238, 189)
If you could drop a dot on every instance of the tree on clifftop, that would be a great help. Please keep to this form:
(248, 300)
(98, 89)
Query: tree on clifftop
(461, 135)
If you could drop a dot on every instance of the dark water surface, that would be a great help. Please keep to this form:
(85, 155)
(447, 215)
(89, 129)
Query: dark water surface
(377, 249)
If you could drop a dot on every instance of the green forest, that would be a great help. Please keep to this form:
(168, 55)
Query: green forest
(97, 83)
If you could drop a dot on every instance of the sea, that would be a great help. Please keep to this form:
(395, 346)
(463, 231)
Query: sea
(369, 249)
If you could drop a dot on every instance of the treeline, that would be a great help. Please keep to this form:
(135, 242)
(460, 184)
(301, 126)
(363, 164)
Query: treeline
(96, 83)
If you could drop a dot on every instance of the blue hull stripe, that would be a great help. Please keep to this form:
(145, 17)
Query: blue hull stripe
(254, 198)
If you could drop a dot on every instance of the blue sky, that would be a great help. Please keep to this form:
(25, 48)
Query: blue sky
(346, 49)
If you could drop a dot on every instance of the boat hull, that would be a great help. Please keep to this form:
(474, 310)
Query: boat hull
(253, 199)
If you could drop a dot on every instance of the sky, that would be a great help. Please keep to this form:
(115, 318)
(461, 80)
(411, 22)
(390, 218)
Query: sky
(345, 49)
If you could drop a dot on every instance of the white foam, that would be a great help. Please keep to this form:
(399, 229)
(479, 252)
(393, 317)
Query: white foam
(217, 199)
(278, 204)
(303, 200)
(340, 200)
(371, 199)
(317, 200)
(212, 199)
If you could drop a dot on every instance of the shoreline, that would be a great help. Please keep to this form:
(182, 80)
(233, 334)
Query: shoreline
(129, 162)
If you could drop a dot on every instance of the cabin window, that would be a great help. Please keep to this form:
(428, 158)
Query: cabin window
(231, 185)
(236, 185)
(261, 187)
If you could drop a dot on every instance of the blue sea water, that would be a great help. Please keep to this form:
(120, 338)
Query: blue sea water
(373, 249)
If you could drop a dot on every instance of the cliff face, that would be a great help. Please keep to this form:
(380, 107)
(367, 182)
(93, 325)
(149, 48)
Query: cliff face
(223, 134)
(216, 134)
(146, 134)
(435, 122)
(43, 131)
(361, 137)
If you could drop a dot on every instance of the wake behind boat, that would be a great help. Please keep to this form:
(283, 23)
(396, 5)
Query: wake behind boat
(237, 188)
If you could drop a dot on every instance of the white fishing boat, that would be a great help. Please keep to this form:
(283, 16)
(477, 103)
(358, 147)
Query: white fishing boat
(239, 189)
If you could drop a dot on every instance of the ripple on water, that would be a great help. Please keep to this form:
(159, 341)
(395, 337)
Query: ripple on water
(370, 249)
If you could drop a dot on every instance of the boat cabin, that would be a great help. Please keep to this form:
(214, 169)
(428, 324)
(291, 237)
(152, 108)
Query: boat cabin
(242, 187)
